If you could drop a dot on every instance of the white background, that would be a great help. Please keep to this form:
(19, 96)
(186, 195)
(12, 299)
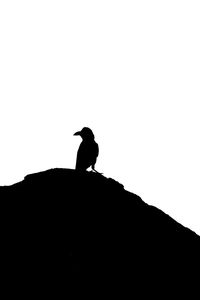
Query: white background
(130, 70)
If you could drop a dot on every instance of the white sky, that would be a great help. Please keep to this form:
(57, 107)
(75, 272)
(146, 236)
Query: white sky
(130, 70)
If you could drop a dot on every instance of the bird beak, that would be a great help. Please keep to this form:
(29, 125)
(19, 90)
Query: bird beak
(77, 133)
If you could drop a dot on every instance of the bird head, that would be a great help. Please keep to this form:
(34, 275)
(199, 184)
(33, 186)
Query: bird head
(85, 133)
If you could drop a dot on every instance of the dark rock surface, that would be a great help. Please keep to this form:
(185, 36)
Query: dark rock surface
(61, 224)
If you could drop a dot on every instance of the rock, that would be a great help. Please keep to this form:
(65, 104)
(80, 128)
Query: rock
(61, 223)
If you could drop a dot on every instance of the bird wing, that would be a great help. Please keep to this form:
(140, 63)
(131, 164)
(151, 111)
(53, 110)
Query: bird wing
(96, 150)
(94, 153)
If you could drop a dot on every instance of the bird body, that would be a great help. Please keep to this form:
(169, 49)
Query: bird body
(88, 150)
(87, 154)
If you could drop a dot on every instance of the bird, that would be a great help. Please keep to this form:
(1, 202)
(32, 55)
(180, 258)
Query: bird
(88, 150)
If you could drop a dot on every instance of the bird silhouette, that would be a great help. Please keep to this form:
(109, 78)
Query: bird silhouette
(88, 150)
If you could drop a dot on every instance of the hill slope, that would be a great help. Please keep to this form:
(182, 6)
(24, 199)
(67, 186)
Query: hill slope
(61, 222)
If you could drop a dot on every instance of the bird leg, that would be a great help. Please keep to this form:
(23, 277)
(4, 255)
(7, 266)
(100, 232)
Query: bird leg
(96, 170)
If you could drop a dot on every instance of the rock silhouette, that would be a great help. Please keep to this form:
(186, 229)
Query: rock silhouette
(62, 223)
